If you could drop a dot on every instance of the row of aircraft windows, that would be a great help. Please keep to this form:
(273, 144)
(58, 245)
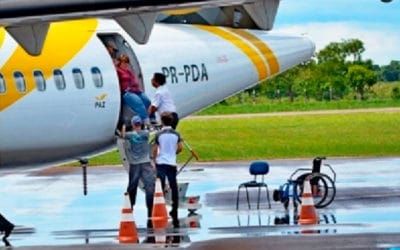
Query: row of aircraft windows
(59, 80)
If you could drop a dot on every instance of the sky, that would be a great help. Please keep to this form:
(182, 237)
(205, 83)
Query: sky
(375, 23)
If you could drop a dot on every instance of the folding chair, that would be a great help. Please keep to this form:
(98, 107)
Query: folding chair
(256, 168)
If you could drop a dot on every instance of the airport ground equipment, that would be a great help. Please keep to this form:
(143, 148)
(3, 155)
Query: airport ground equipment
(257, 168)
(322, 185)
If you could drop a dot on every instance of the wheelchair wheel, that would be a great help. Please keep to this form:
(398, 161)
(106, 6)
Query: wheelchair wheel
(320, 188)
(331, 192)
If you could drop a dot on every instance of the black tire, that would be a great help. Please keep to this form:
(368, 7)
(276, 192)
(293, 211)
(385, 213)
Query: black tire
(276, 195)
(298, 186)
(331, 193)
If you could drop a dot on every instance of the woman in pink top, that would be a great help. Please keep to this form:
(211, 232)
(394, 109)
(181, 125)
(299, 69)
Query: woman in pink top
(132, 95)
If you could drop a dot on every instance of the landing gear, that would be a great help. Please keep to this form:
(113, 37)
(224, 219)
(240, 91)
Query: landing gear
(84, 162)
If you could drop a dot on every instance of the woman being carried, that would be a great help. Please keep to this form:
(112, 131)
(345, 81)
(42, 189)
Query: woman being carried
(132, 95)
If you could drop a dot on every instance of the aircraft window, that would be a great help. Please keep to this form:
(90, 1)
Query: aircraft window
(78, 78)
(39, 80)
(2, 84)
(97, 78)
(59, 79)
(20, 81)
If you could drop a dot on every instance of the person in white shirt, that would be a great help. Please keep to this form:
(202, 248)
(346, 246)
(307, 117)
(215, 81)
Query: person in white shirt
(167, 144)
(162, 100)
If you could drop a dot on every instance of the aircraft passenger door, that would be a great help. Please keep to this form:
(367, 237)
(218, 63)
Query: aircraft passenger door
(122, 46)
(116, 41)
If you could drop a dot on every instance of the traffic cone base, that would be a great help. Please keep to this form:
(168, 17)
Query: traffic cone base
(127, 228)
(160, 236)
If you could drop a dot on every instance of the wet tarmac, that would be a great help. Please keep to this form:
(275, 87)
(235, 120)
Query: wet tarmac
(50, 209)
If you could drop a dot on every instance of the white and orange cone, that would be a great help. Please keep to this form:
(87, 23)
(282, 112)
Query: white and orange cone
(308, 213)
(160, 236)
(127, 228)
(159, 215)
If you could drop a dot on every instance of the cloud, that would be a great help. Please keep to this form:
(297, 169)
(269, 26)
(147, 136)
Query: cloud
(381, 41)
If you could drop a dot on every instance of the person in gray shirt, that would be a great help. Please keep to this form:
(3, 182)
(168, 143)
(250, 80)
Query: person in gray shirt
(137, 149)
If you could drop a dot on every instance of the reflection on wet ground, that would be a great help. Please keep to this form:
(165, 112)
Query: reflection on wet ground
(50, 208)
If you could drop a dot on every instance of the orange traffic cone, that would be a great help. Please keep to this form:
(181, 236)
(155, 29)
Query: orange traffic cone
(308, 213)
(127, 228)
(160, 236)
(159, 215)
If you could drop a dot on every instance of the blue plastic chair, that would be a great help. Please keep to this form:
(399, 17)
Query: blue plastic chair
(257, 168)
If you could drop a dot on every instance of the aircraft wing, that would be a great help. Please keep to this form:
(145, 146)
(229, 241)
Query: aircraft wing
(28, 21)
(258, 14)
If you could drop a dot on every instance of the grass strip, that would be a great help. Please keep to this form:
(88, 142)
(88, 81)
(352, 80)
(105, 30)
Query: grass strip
(374, 134)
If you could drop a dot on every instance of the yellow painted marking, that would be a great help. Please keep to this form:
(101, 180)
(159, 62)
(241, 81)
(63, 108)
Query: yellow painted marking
(249, 51)
(262, 47)
(181, 11)
(2, 36)
(64, 40)
(101, 97)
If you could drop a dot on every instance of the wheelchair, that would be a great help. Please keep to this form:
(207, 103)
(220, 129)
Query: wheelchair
(322, 185)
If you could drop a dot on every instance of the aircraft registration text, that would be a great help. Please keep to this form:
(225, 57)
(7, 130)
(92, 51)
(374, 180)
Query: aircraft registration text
(186, 73)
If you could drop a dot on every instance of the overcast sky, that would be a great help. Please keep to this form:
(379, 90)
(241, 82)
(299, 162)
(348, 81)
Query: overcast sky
(375, 23)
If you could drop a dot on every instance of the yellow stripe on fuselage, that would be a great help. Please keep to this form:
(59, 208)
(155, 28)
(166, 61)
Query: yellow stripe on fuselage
(262, 47)
(64, 40)
(248, 50)
(2, 36)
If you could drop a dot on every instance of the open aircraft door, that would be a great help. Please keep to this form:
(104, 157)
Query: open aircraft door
(121, 46)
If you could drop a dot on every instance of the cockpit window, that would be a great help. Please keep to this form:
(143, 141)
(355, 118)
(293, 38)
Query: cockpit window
(97, 77)
(59, 79)
(19, 81)
(78, 78)
(39, 80)
(2, 84)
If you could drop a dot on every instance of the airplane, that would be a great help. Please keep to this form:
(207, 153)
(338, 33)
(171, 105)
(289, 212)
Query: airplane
(59, 93)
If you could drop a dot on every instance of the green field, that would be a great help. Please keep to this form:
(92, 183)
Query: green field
(263, 104)
(373, 134)
(297, 136)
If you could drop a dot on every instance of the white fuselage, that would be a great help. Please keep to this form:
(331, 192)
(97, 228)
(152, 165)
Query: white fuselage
(54, 123)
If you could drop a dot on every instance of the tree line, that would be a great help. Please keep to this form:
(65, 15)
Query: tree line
(338, 71)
